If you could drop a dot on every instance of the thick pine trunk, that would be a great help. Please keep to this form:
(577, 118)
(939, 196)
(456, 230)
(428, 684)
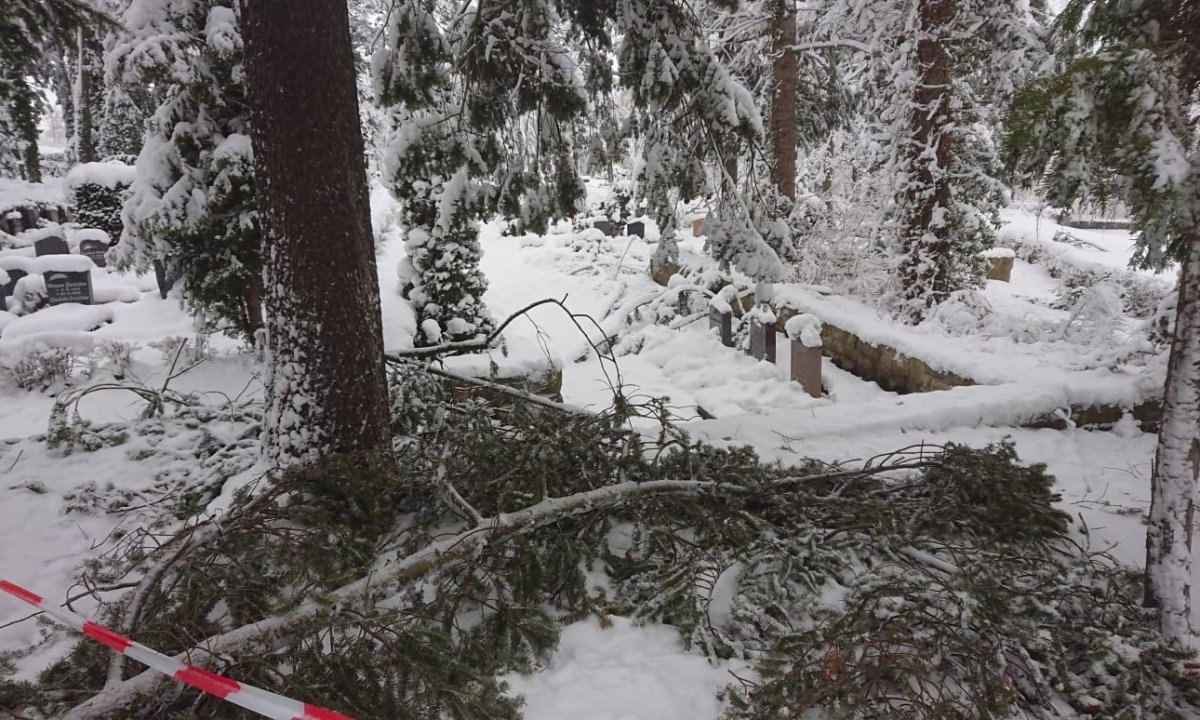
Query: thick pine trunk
(783, 97)
(326, 392)
(1177, 463)
(925, 272)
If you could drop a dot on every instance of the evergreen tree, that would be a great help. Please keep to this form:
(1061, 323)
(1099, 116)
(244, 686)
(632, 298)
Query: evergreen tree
(936, 64)
(193, 205)
(479, 113)
(1117, 121)
(29, 29)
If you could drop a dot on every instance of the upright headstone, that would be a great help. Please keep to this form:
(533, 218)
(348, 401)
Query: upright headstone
(607, 227)
(698, 227)
(94, 249)
(12, 222)
(30, 214)
(51, 213)
(723, 322)
(806, 367)
(51, 246)
(68, 287)
(637, 227)
(762, 341)
(7, 289)
(804, 336)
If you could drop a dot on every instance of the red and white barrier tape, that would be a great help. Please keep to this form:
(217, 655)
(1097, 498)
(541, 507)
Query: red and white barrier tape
(263, 702)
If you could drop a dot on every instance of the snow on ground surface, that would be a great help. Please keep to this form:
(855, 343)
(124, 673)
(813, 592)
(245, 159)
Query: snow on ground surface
(624, 672)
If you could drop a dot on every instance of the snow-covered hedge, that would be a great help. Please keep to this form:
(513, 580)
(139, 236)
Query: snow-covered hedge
(97, 191)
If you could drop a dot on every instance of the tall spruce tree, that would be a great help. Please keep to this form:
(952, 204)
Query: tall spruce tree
(1117, 121)
(193, 203)
(935, 67)
(325, 386)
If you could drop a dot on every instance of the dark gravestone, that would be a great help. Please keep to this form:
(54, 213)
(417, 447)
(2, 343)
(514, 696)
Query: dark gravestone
(762, 341)
(165, 281)
(68, 287)
(51, 246)
(10, 287)
(723, 321)
(95, 250)
(52, 214)
(12, 222)
(607, 227)
(30, 214)
(636, 227)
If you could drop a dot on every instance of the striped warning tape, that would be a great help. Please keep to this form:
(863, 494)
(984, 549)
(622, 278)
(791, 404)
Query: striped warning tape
(263, 702)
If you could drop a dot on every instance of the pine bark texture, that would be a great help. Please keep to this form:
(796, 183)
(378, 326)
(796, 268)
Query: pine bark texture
(89, 96)
(925, 272)
(1177, 463)
(326, 392)
(783, 97)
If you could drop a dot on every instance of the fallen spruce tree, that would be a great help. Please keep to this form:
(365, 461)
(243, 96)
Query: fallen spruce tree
(936, 582)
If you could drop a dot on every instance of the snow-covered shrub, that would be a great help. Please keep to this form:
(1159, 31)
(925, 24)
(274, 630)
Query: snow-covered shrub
(97, 192)
(193, 205)
(41, 369)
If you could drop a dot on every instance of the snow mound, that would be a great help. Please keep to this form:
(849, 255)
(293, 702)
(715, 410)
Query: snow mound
(624, 672)
(108, 174)
(68, 317)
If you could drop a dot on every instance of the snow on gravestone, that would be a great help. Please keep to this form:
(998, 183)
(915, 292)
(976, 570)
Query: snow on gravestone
(762, 340)
(68, 287)
(8, 288)
(804, 333)
(51, 245)
(607, 227)
(94, 249)
(720, 316)
(12, 222)
(30, 214)
(637, 227)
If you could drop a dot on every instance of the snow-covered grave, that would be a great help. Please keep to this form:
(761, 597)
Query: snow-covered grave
(1026, 352)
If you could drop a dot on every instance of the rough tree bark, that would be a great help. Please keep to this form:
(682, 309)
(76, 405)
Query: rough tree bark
(925, 271)
(326, 392)
(1177, 463)
(783, 97)
(87, 95)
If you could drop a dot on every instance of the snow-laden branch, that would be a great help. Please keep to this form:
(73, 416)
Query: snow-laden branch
(835, 43)
(369, 590)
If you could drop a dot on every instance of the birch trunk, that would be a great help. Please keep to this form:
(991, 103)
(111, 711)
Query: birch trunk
(1177, 463)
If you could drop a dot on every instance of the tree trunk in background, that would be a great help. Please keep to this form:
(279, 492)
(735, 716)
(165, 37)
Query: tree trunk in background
(88, 96)
(26, 112)
(783, 97)
(326, 392)
(1177, 463)
(925, 270)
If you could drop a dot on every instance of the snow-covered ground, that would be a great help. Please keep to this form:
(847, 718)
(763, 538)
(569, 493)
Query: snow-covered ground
(624, 672)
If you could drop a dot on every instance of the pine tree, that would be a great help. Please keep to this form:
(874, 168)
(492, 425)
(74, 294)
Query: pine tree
(193, 205)
(935, 66)
(480, 110)
(325, 385)
(29, 29)
(1114, 123)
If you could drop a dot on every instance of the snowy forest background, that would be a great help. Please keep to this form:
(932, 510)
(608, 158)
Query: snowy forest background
(614, 359)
